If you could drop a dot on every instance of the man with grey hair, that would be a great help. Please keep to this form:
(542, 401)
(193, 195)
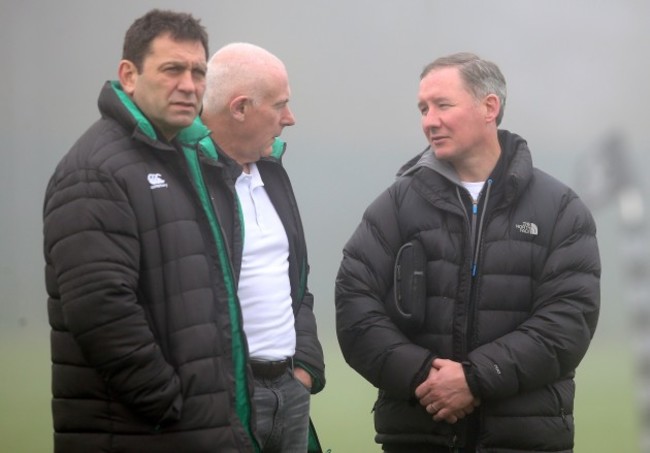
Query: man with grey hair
(246, 108)
(469, 293)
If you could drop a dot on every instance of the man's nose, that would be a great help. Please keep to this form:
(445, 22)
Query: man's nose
(288, 119)
(187, 82)
(431, 119)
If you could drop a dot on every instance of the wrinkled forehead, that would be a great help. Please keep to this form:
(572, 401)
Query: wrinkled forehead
(442, 80)
(167, 47)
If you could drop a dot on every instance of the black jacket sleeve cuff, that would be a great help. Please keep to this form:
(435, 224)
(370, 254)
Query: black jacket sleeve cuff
(472, 380)
(421, 376)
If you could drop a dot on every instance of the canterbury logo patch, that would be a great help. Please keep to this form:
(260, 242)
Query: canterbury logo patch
(156, 181)
(527, 228)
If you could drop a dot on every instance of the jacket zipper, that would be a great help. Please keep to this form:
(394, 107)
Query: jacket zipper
(452, 444)
(242, 399)
(476, 235)
(563, 414)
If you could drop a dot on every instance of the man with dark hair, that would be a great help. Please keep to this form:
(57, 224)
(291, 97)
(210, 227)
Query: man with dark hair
(469, 293)
(148, 352)
(179, 26)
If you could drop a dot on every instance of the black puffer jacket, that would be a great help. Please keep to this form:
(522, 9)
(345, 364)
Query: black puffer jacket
(148, 349)
(512, 292)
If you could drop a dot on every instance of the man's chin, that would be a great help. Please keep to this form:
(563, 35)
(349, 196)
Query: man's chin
(183, 121)
(183, 113)
(269, 149)
(267, 152)
(441, 152)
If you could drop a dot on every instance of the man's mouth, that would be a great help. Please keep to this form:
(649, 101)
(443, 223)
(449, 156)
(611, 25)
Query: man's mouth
(185, 104)
(184, 108)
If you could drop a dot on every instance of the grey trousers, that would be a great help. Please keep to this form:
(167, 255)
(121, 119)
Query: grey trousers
(282, 411)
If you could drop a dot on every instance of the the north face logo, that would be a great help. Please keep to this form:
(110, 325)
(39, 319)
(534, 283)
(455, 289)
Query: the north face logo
(156, 181)
(527, 228)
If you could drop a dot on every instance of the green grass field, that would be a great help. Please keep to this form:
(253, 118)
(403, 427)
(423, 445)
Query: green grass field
(605, 413)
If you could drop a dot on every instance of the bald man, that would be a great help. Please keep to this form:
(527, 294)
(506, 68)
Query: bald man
(246, 107)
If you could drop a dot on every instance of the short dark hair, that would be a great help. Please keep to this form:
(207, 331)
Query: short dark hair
(180, 26)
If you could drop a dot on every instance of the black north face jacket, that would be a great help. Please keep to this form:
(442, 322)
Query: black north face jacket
(511, 288)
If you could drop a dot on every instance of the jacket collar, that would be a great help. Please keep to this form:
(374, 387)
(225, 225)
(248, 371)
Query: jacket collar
(234, 169)
(116, 104)
(427, 159)
(511, 173)
(198, 134)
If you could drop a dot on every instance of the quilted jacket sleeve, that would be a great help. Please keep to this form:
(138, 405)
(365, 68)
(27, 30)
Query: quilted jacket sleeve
(370, 341)
(92, 258)
(309, 352)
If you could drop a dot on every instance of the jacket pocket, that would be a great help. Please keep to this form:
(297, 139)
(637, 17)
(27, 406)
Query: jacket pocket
(564, 411)
(407, 306)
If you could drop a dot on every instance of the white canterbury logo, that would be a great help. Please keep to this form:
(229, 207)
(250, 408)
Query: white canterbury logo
(527, 228)
(156, 181)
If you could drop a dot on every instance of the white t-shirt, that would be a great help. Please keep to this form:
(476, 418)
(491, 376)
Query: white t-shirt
(264, 287)
(474, 188)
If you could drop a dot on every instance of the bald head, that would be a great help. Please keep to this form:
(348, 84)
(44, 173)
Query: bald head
(246, 102)
(239, 69)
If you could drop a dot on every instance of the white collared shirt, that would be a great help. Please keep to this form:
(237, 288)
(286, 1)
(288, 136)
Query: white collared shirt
(264, 287)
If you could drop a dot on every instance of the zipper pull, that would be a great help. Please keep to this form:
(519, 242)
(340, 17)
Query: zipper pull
(452, 444)
(563, 415)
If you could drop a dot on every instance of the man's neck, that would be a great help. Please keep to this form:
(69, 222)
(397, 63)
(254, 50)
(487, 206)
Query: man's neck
(479, 167)
(223, 139)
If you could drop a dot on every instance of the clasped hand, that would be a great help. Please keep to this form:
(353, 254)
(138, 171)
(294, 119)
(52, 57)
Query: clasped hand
(445, 393)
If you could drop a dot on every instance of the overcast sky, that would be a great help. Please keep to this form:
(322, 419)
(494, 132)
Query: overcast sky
(577, 71)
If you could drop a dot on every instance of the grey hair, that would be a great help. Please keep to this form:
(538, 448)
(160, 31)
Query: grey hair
(481, 77)
(237, 69)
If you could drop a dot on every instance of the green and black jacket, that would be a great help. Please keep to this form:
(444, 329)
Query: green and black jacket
(148, 352)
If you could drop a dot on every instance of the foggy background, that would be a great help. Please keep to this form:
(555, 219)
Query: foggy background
(577, 73)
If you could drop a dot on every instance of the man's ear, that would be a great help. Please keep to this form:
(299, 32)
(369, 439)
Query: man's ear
(127, 74)
(239, 107)
(492, 107)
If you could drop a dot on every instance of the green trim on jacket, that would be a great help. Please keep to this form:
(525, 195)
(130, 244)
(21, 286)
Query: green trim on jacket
(143, 123)
(194, 138)
(313, 446)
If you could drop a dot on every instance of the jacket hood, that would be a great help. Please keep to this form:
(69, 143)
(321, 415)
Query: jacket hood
(115, 103)
(428, 159)
(515, 157)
